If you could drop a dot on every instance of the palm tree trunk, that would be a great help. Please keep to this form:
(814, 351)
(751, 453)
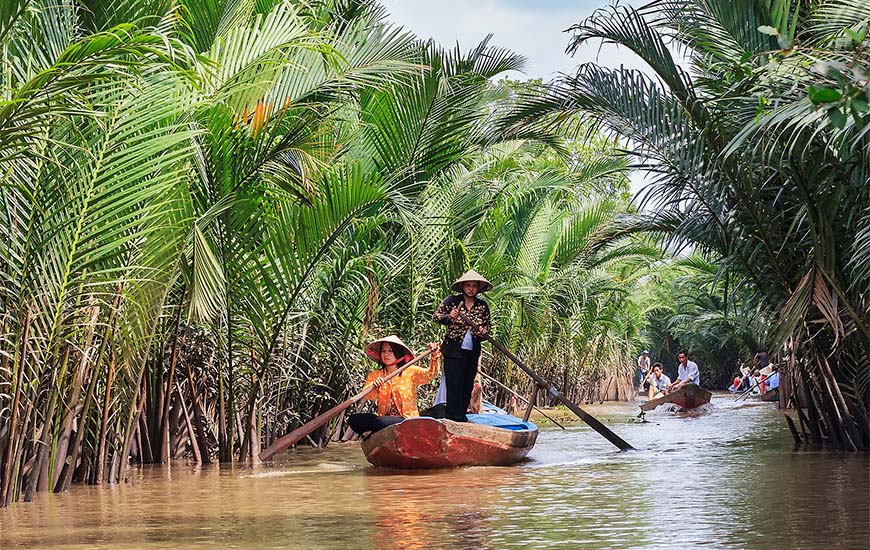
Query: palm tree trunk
(199, 419)
(104, 424)
(170, 382)
(222, 417)
(192, 435)
(8, 488)
(38, 480)
(60, 458)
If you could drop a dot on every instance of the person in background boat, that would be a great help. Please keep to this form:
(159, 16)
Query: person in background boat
(461, 346)
(397, 397)
(755, 381)
(744, 383)
(773, 381)
(687, 373)
(735, 385)
(761, 360)
(476, 402)
(643, 370)
(658, 382)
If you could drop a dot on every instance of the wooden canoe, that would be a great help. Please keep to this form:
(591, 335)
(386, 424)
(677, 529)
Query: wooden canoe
(688, 397)
(423, 442)
(769, 395)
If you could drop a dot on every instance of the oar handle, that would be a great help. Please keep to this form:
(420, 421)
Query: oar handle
(318, 421)
(553, 391)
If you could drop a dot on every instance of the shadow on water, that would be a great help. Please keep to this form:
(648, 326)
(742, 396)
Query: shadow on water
(723, 478)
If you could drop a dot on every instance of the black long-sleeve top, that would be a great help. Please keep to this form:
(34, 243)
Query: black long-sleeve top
(479, 313)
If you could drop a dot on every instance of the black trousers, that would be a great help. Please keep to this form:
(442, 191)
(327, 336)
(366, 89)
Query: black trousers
(435, 411)
(460, 371)
(368, 422)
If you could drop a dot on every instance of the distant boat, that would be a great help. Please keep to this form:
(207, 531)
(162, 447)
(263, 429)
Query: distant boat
(489, 439)
(769, 395)
(688, 397)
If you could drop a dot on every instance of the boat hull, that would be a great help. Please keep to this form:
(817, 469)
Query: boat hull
(687, 397)
(429, 443)
(769, 395)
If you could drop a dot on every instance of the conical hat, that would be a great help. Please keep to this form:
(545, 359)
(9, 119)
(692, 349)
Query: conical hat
(472, 275)
(373, 350)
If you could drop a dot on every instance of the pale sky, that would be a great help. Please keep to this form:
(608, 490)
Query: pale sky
(532, 28)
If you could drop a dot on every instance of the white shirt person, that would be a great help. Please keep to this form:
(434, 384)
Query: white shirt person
(643, 365)
(687, 372)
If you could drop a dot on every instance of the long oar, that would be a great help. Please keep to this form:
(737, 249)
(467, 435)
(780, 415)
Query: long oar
(744, 394)
(554, 392)
(321, 420)
(520, 397)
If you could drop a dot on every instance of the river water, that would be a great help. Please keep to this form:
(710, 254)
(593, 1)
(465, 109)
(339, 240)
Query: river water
(726, 478)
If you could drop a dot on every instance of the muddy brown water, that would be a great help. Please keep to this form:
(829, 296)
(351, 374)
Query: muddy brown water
(726, 478)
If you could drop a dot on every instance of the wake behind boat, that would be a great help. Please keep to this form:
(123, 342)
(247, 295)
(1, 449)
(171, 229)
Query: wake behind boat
(688, 397)
(489, 439)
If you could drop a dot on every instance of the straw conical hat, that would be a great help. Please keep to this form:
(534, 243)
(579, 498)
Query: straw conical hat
(472, 275)
(373, 350)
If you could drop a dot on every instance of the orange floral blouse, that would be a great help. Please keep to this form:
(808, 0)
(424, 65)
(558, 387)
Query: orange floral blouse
(402, 388)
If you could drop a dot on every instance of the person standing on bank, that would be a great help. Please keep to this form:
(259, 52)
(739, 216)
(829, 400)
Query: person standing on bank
(461, 346)
(397, 397)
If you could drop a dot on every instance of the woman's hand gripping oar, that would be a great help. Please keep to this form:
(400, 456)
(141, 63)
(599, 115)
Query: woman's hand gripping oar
(593, 422)
(321, 420)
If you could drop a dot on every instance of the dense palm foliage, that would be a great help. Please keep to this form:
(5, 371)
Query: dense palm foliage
(689, 308)
(760, 159)
(208, 206)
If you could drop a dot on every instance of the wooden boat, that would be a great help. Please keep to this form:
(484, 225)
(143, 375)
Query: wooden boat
(769, 395)
(688, 397)
(492, 439)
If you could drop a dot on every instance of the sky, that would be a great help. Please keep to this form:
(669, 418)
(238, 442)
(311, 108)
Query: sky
(532, 28)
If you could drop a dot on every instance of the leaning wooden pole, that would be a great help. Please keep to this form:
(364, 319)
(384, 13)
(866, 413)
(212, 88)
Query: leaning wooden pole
(593, 422)
(322, 419)
(520, 397)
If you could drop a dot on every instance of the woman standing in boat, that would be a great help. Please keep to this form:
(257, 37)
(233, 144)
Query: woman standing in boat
(397, 397)
(461, 345)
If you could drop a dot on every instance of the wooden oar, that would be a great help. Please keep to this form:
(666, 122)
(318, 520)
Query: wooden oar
(744, 394)
(553, 391)
(518, 396)
(319, 421)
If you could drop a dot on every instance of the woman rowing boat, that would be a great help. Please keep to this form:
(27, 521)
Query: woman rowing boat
(397, 397)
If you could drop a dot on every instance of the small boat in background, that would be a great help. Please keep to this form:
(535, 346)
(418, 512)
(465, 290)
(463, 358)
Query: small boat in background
(688, 397)
(488, 439)
(769, 395)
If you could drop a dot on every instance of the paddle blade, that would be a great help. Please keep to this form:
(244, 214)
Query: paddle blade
(296, 435)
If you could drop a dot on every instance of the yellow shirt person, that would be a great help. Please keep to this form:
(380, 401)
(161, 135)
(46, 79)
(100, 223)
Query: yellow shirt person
(396, 397)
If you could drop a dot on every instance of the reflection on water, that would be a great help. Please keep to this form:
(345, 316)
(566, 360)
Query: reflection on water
(724, 479)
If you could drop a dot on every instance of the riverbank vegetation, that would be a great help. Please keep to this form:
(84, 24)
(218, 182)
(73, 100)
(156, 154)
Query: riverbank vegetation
(758, 149)
(208, 207)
